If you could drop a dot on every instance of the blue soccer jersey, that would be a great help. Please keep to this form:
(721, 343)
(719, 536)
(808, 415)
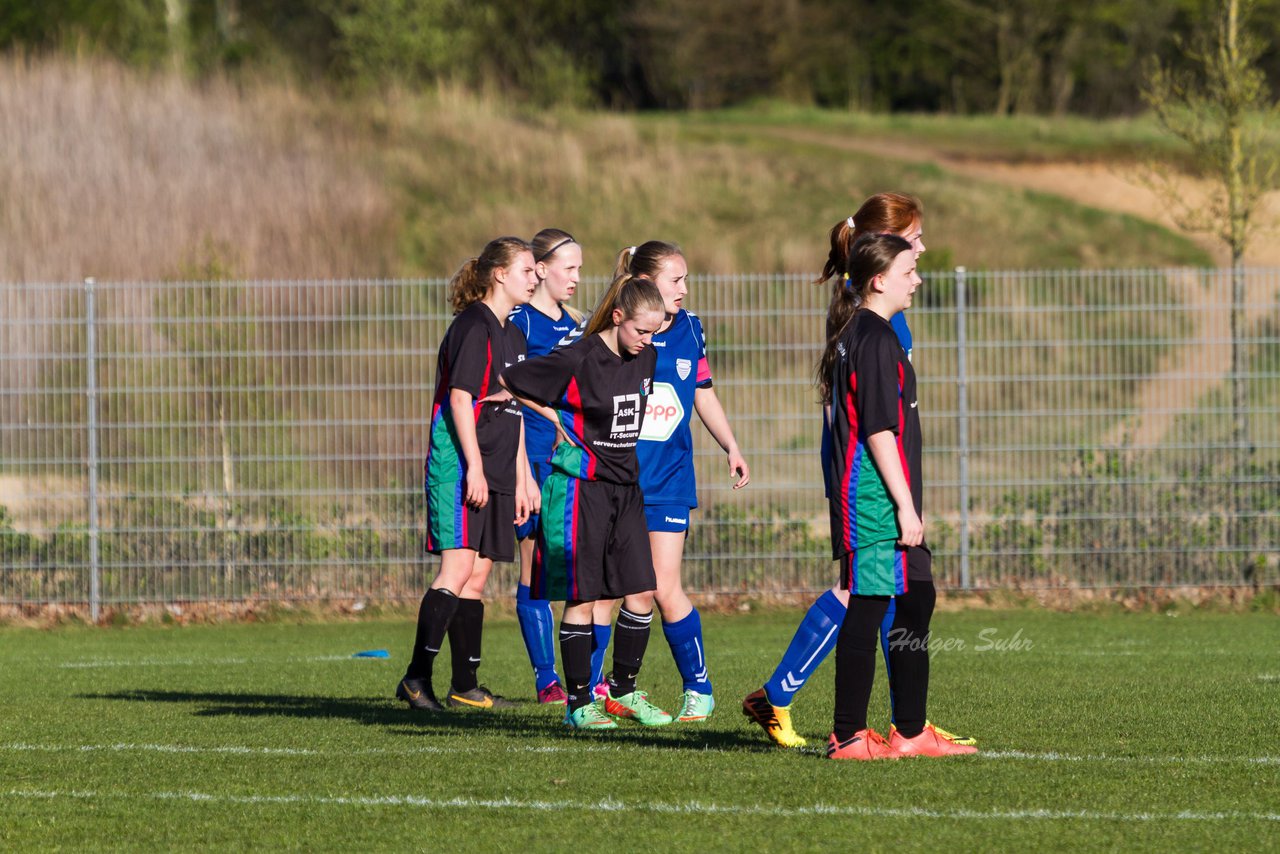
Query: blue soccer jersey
(900, 328)
(666, 442)
(542, 334)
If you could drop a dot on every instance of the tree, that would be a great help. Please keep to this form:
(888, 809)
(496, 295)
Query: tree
(1222, 108)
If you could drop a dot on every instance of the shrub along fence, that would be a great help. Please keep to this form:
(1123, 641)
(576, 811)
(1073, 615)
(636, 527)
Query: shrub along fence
(206, 441)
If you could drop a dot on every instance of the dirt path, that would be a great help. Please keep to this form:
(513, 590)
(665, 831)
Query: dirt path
(1186, 372)
(1110, 187)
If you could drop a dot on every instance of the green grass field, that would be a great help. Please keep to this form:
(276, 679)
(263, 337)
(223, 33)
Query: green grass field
(1096, 730)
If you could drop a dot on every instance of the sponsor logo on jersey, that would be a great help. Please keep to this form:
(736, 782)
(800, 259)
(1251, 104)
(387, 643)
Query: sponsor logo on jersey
(666, 518)
(626, 416)
(663, 413)
(683, 368)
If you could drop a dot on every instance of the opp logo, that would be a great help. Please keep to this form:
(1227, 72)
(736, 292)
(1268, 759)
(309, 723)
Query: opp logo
(663, 413)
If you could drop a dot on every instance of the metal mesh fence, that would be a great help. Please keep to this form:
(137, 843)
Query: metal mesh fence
(237, 440)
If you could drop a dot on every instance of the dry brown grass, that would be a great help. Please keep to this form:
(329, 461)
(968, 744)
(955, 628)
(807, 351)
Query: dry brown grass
(108, 173)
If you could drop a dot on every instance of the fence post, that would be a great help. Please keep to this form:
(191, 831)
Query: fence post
(962, 427)
(91, 407)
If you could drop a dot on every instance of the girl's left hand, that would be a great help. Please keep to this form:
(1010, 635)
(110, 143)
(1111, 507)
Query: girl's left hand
(534, 496)
(738, 468)
(522, 507)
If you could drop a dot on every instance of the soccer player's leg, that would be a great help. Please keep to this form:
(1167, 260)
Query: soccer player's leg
(581, 712)
(601, 633)
(682, 625)
(448, 520)
(872, 574)
(629, 576)
(815, 637)
(492, 534)
(537, 620)
(908, 662)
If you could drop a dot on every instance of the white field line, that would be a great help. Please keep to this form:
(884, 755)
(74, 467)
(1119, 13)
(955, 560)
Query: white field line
(629, 807)
(243, 750)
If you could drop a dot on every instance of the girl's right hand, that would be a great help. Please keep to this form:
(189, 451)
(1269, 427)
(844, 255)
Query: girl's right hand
(477, 488)
(910, 528)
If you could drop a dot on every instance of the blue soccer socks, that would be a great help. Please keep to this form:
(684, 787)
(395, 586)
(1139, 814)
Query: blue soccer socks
(600, 635)
(685, 639)
(538, 627)
(813, 641)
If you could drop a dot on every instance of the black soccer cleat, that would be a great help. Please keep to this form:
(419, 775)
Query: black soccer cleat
(418, 694)
(478, 697)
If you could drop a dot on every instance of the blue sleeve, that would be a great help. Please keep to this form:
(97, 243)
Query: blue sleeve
(899, 324)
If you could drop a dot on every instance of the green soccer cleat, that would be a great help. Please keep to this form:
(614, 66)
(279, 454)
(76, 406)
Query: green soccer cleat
(696, 707)
(588, 717)
(636, 706)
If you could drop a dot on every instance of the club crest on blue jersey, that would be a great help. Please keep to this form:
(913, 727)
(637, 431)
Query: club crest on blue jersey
(683, 368)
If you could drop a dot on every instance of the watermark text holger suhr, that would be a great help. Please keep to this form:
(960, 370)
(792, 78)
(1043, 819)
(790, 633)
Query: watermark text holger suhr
(987, 640)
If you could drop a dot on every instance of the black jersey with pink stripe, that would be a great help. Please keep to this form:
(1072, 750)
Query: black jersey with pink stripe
(873, 389)
(600, 398)
(476, 348)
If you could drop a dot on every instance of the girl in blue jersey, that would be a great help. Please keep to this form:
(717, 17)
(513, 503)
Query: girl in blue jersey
(682, 385)
(907, 619)
(545, 321)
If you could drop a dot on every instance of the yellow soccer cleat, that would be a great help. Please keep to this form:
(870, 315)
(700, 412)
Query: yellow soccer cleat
(774, 720)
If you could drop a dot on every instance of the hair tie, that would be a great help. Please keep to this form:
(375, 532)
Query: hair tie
(847, 283)
(631, 251)
(849, 222)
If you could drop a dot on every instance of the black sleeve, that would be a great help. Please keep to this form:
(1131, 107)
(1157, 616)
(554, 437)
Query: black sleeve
(544, 378)
(877, 373)
(470, 357)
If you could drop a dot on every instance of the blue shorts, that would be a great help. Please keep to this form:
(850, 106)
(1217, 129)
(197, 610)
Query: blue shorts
(540, 473)
(667, 518)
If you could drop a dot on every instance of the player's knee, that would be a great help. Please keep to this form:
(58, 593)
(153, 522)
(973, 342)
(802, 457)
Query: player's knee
(639, 602)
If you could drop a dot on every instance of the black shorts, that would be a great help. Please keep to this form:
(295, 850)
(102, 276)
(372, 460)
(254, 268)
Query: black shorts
(592, 541)
(919, 563)
(453, 524)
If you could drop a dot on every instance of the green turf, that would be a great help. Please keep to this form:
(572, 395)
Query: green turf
(1100, 731)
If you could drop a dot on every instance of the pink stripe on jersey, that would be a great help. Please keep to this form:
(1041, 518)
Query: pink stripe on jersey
(573, 396)
(704, 371)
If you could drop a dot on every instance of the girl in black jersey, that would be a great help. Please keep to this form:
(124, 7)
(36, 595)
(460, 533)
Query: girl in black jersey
(475, 471)
(876, 486)
(592, 540)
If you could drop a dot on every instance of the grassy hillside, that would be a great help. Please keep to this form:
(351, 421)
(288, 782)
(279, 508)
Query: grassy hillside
(118, 175)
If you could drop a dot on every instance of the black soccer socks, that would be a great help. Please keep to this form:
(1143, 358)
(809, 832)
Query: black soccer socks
(630, 637)
(434, 615)
(465, 633)
(575, 655)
